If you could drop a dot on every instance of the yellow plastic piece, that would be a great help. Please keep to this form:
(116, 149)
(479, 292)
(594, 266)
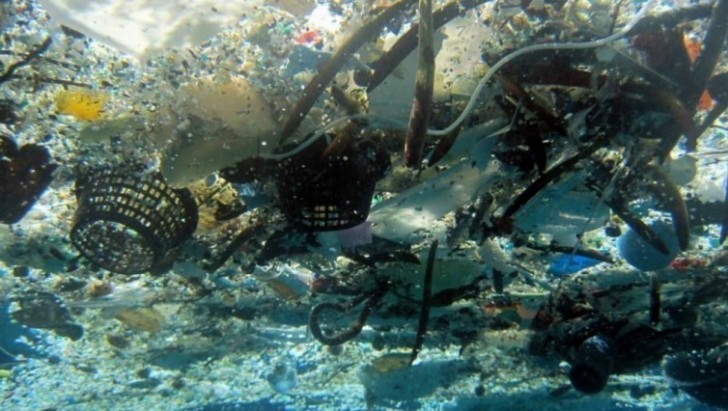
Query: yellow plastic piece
(391, 362)
(86, 105)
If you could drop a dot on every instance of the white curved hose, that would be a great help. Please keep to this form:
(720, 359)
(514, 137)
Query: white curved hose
(530, 49)
(318, 133)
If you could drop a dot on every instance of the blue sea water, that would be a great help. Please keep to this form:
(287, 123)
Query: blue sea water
(177, 180)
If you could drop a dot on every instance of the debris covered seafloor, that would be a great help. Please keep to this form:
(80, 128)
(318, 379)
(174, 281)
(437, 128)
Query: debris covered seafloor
(184, 229)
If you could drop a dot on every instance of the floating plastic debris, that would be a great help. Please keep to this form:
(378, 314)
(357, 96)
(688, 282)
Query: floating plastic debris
(219, 122)
(25, 173)
(144, 29)
(141, 319)
(81, 104)
(566, 264)
(290, 283)
(642, 255)
(128, 224)
(551, 136)
(282, 378)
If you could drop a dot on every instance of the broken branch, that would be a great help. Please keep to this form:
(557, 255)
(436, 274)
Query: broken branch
(419, 119)
(329, 69)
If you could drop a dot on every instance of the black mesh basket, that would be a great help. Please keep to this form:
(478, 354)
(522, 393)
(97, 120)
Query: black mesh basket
(127, 222)
(331, 194)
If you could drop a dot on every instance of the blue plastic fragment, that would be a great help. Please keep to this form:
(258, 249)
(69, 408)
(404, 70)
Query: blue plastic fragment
(566, 264)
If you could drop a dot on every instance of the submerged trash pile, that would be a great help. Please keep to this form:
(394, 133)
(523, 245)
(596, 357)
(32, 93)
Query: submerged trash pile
(468, 203)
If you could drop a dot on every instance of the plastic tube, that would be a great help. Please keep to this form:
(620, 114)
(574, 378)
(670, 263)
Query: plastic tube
(530, 49)
(320, 132)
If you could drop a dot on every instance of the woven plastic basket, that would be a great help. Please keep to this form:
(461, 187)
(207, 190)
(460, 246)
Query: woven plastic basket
(331, 194)
(126, 222)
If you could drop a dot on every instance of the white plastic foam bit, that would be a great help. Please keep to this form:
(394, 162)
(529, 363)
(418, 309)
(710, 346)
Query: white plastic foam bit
(142, 27)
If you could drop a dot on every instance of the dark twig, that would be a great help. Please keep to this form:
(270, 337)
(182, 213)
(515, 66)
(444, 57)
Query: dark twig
(615, 16)
(655, 302)
(426, 301)
(26, 60)
(638, 226)
(533, 104)
(62, 82)
(713, 46)
(338, 371)
(48, 59)
(329, 69)
(702, 70)
(551, 175)
(680, 112)
(419, 119)
(370, 302)
(717, 111)
(498, 285)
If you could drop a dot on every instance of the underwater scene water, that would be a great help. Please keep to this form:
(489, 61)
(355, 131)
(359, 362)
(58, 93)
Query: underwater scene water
(363, 205)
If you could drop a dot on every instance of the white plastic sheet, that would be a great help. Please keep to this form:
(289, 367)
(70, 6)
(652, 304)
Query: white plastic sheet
(142, 27)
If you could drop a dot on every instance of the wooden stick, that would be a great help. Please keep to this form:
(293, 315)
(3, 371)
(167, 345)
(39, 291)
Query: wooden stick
(329, 69)
(414, 143)
(386, 64)
(426, 301)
